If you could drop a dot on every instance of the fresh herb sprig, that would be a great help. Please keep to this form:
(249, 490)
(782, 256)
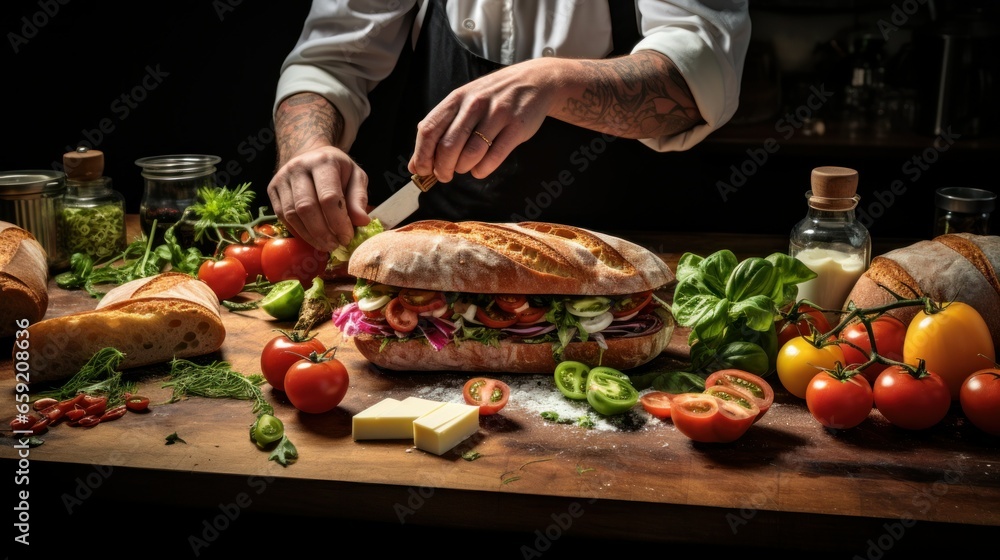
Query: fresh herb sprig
(99, 376)
(215, 380)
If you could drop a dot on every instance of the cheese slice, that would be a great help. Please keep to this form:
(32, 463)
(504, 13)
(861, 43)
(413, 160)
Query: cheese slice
(390, 418)
(442, 429)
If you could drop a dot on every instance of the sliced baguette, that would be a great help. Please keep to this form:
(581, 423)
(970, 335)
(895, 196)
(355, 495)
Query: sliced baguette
(24, 273)
(150, 320)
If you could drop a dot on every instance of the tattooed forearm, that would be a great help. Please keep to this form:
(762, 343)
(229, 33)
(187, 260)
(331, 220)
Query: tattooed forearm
(637, 96)
(304, 121)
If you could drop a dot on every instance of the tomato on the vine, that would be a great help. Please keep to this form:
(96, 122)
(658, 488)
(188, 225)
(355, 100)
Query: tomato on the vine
(913, 400)
(980, 400)
(249, 256)
(490, 395)
(706, 418)
(287, 258)
(317, 384)
(839, 401)
(750, 383)
(799, 360)
(889, 333)
(799, 323)
(225, 276)
(284, 350)
(954, 343)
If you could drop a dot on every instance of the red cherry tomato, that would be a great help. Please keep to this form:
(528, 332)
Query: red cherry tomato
(980, 400)
(287, 258)
(889, 333)
(707, 418)
(839, 403)
(114, 413)
(752, 384)
(912, 403)
(225, 276)
(317, 385)
(249, 256)
(284, 350)
(399, 317)
(23, 422)
(490, 395)
(798, 323)
(657, 403)
(137, 403)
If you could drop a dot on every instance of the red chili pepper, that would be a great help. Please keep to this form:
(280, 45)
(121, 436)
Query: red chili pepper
(114, 413)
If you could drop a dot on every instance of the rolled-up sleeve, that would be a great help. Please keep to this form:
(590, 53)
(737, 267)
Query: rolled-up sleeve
(707, 41)
(345, 50)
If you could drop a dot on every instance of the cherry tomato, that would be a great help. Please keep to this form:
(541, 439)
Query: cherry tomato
(249, 256)
(889, 333)
(87, 421)
(799, 322)
(657, 403)
(137, 403)
(421, 300)
(631, 304)
(735, 396)
(490, 395)
(750, 383)
(318, 384)
(42, 404)
(287, 258)
(909, 401)
(75, 414)
(114, 413)
(225, 276)
(41, 426)
(839, 402)
(954, 343)
(399, 317)
(23, 422)
(494, 317)
(980, 400)
(799, 360)
(284, 350)
(706, 418)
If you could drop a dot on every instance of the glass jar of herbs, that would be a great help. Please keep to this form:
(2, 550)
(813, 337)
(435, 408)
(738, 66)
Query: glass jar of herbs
(92, 217)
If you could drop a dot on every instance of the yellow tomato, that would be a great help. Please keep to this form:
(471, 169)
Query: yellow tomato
(954, 343)
(799, 361)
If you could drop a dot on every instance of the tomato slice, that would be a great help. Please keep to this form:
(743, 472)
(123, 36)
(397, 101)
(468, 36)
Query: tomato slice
(421, 300)
(754, 385)
(512, 303)
(610, 392)
(531, 315)
(657, 403)
(494, 317)
(707, 418)
(399, 317)
(631, 304)
(137, 403)
(571, 379)
(490, 395)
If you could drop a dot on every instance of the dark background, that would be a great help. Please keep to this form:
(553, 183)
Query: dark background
(69, 63)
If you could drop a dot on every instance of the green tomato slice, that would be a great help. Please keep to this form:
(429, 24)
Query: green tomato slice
(266, 430)
(284, 300)
(571, 379)
(588, 306)
(610, 394)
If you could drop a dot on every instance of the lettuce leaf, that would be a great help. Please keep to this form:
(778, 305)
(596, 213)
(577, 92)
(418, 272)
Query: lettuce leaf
(342, 254)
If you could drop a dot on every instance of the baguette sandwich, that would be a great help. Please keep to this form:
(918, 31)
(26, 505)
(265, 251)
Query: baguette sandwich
(515, 298)
(150, 320)
(24, 274)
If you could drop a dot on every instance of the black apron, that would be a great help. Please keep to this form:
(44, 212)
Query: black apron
(563, 174)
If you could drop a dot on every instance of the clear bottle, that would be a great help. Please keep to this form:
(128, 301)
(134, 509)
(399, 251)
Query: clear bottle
(830, 240)
(91, 219)
(171, 184)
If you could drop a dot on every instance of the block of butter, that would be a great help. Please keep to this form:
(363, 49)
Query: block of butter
(391, 418)
(445, 427)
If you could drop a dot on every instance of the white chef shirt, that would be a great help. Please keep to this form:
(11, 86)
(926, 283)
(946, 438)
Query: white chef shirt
(348, 46)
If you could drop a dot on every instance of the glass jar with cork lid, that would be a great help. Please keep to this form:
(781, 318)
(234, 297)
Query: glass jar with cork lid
(830, 240)
(92, 217)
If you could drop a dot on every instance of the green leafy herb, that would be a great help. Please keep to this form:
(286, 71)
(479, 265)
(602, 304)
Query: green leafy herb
(284, 453)
(582, 421)
(99, 376)
(216, 380)
(174, 438)
(471, 455)
(342, 254)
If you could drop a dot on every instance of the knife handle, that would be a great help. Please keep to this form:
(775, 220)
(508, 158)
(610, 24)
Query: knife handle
(425, 182)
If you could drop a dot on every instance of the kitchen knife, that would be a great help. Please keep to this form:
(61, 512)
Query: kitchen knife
(403, 202)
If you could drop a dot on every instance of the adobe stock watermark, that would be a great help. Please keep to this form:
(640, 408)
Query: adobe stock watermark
(32, 24)
(785, 127)
(249, 149)
(212, 528)
(546, 537)
(900, 15)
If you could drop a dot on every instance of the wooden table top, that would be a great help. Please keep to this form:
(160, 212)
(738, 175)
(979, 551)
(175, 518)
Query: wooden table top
(787, 481)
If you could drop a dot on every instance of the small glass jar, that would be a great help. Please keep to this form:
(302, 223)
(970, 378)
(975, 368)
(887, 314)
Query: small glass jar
(31, 199)
(963, 210)
(172, 183)
(92, 217)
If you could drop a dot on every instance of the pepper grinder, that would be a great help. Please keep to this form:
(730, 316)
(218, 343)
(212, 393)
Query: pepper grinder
(830, 240)
(92, 218)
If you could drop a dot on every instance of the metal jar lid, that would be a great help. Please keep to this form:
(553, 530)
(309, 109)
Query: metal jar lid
(965, 200)
(177, 166)
(26, 184)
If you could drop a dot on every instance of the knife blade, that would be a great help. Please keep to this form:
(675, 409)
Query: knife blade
(403, 202)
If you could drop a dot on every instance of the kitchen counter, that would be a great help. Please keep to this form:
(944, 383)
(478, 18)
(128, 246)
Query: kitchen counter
(536, 487)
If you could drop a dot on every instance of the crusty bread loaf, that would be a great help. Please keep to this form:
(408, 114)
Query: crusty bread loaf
(150, 320)
(960, 267)
(24, 274)
(524, 258)
(511, 357)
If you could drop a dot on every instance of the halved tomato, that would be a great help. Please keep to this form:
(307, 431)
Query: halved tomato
(753, 385)
(631, 304)
(490, 395)
(657, 403)
(706, 418)
(399, 317)
(512, 303)
(494, 317)
(421, 300)
(531, 314)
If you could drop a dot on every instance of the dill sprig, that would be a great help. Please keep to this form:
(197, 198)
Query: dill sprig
(99, 377)
(216, 380)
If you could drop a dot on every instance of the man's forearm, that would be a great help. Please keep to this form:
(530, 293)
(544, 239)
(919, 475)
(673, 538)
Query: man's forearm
(305, 121)
(642, 95)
